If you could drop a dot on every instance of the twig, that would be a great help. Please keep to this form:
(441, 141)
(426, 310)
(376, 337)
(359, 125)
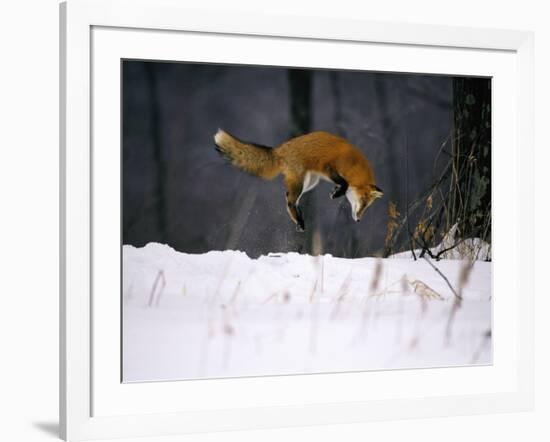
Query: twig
(447, 249)
(314, 318)
(411, 241)
(160, 275)
(443, 276)
(235, 293)
(314, 289)
(342, 293)
(270, 297)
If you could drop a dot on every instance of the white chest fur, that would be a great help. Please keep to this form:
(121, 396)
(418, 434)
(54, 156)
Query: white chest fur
(354, 201)
(311, 180)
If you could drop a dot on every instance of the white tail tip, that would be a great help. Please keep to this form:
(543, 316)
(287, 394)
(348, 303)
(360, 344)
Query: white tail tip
(218, 137)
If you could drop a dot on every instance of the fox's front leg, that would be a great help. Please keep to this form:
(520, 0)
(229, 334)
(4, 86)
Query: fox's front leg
(338, 191)
(294, 190)
(341, 184)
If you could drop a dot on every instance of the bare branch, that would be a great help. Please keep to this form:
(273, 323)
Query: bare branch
(444, 277)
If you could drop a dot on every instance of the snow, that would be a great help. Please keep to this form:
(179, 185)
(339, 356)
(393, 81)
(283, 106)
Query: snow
(223, 314)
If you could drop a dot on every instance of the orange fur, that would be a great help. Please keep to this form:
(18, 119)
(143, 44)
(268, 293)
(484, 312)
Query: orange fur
(302, 161)
(321, 152)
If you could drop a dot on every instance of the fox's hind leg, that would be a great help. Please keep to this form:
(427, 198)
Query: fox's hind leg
(294, 190)
(341, 184)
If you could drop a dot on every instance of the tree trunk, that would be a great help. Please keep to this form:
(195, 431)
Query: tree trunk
(159, 188)
(299, 81)
(300, 85)
(388, 129)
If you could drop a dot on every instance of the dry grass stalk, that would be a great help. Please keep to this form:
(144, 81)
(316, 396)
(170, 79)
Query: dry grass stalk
(392, 225)
(236, 292)
(450, 321)
(322, 276)
(423, 232)
(464, 276)
(424, 291)
(314, 319)
(429, 202)
(271, 297)
(319, 262)
(485, 340)
(375, 281)
(404, 282)
(314, 289)
(211, 322)
(342, 293)
(158, 279)
(129, 294)
(317, 243)
(228, 330)
(216, 292)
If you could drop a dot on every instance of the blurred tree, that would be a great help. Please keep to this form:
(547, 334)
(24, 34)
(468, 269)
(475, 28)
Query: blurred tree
(159, 190)
(300, 82)
(300, 85)
(389, 132)
(351, 245)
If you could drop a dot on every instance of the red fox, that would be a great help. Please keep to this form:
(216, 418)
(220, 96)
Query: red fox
(303, 161)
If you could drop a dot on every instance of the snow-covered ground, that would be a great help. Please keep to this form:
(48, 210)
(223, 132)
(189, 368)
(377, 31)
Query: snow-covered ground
(223, 314)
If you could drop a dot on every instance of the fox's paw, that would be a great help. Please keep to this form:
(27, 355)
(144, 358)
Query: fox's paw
(337, 192)
(300, 228)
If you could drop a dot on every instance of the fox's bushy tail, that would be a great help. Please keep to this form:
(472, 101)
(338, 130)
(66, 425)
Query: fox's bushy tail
(252, 158)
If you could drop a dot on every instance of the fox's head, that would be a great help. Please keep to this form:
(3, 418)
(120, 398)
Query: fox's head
(362, 197)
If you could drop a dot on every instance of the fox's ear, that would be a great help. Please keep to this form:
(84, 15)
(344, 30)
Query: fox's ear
(376, 192)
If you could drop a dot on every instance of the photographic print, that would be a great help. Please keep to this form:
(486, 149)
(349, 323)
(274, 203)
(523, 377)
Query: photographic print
(280, 221)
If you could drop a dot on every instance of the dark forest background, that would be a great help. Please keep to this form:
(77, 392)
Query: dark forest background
(427, 138)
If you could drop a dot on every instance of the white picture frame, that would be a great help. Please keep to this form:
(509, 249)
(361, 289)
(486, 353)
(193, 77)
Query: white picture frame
(93, 403)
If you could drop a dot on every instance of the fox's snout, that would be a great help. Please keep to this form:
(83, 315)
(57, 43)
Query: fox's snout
(361, 199)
